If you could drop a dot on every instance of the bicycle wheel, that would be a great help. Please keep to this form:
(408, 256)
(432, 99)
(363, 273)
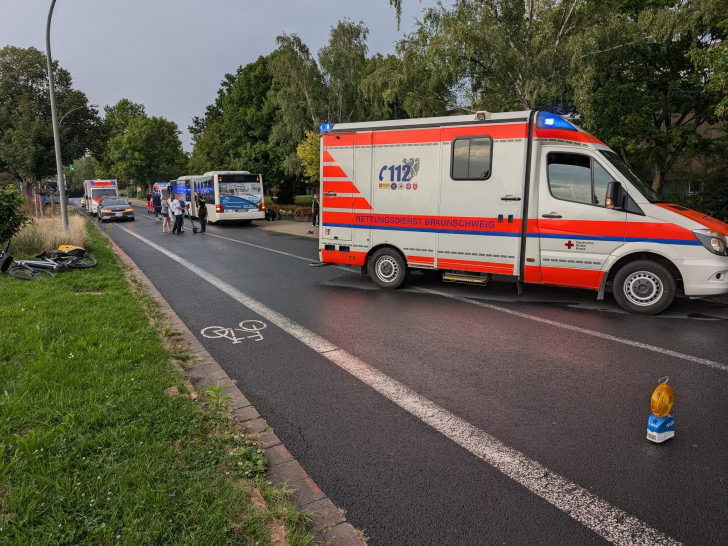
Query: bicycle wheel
(82, 262)
(27, 274)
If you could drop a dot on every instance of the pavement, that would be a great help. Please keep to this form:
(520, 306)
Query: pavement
(330, 526)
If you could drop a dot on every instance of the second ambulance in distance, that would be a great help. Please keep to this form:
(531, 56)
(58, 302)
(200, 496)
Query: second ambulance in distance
(523, 194)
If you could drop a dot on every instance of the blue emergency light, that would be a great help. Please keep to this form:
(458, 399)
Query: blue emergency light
(547, 120)
(326, 127)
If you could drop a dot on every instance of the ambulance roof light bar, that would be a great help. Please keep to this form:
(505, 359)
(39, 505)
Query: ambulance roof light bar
(547, 120)
(325, 127)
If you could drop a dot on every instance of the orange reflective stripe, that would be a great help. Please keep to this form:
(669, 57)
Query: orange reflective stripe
(482, 267)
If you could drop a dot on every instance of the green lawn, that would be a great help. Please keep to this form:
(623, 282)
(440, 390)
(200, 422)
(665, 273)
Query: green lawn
(92, 449)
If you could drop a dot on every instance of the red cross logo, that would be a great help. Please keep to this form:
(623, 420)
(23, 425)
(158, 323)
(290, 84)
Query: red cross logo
(569, 245)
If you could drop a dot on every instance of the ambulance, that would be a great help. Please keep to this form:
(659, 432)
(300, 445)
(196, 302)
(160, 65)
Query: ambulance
(94, 190)
(525, 195)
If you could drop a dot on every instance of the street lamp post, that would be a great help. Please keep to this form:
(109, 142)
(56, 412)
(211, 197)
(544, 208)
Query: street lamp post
(71, 111)
(54, 115)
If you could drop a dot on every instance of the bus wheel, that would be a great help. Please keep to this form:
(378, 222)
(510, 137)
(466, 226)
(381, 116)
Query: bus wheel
(644, 287)
(387, 268)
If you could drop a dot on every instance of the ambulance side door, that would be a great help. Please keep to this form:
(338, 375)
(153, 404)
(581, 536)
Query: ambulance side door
(577, 231)
(481, 203)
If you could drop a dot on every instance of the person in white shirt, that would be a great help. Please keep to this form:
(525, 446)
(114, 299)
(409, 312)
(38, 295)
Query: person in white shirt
(178, 210)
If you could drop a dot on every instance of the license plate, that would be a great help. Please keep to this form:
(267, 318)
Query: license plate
(120, 214)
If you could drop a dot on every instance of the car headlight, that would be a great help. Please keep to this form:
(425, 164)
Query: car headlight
(105, 210)
(715, 242)
(128, 210)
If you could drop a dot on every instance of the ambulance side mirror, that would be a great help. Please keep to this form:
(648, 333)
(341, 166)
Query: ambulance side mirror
(615, 196)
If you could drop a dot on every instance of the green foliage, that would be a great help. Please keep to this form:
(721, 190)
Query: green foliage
(499, 55)
(343, 62)
(215, 397)
(12, 217)
(115, 125)
(641, 90)
(309, 152)
(26, 140)
(235, 132)
(149, 150)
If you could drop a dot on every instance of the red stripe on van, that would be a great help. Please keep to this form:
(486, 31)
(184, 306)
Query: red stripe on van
(339, 186)
(334, 171)
(577, 278)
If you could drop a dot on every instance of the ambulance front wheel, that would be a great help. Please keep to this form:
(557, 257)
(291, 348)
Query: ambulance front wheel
(387, 268)
(644, 287)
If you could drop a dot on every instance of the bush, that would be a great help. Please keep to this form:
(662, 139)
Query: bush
(47, 234)
(12, 217)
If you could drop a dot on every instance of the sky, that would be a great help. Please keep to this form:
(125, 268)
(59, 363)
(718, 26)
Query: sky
(172, 55)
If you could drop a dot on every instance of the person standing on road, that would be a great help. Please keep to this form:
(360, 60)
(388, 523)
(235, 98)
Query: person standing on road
(201, 211)
(178, 210)
(149, 203)
(157, 204)
(164, 209)
(315, 207)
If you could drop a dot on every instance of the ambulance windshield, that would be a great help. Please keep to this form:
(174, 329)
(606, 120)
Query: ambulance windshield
(622, 167)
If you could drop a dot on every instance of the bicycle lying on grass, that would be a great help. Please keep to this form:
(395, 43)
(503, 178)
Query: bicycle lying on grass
(53, 261)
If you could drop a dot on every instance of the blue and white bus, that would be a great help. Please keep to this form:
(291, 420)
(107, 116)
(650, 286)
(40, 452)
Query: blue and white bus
(230, 196)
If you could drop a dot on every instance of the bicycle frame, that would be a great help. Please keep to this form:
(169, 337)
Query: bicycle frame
(46, 263)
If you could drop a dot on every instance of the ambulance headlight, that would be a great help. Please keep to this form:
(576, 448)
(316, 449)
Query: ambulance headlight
(715, 242)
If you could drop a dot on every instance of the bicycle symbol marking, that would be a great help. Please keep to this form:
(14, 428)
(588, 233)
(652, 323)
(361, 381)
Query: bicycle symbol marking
(246, 327)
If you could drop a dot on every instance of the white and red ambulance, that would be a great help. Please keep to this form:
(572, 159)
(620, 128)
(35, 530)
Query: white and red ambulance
(523, 194)
(94, 190)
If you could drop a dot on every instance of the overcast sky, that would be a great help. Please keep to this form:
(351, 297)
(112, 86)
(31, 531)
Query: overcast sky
(171, 55)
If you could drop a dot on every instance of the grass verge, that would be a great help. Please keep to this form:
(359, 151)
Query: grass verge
(100, 440)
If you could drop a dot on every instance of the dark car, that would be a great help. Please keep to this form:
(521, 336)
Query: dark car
(115, 208)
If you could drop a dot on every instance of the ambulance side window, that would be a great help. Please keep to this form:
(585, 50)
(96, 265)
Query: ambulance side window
(471, 158)
(578, 178)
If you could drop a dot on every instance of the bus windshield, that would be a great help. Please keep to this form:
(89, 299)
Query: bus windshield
(240, 191)
(646, 190)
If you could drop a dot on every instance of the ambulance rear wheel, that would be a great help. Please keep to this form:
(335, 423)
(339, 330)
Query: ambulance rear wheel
(387, 268)
(644, 287)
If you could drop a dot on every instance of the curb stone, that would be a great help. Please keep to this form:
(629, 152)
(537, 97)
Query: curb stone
(329, 524)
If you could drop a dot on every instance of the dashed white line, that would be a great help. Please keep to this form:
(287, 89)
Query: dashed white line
(610, 522)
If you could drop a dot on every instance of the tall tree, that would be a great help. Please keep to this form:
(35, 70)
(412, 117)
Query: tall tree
(500, 54)
(236, 129)
(26, 130)
(300, 96)
(149, 151)
(641, 91)
(344, 64)
(115, 125)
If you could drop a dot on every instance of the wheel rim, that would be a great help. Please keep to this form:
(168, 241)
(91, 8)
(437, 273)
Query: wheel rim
(643, 288)
(387, 269)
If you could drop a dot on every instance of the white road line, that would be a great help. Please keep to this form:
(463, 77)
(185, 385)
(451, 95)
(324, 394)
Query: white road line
(647, 347)
(596, 514)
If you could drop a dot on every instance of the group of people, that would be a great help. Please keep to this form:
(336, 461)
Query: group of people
(171, 212)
